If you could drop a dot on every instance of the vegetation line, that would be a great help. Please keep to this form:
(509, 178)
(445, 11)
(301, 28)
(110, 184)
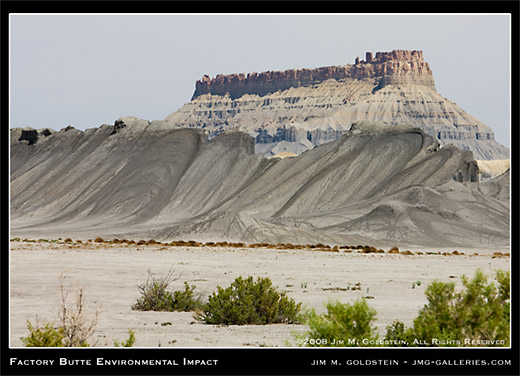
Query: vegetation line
(362, 249)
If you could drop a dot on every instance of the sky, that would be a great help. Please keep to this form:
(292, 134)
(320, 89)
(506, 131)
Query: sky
(87, 70)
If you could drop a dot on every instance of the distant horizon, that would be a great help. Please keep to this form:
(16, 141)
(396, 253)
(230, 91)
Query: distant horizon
(108, 66)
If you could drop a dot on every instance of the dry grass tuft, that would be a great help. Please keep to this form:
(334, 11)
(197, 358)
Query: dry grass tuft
(76, 327)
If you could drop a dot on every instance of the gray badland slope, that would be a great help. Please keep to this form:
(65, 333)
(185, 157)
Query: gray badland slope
(374, 185)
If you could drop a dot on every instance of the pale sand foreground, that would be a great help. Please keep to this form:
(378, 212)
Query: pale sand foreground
(110, 274)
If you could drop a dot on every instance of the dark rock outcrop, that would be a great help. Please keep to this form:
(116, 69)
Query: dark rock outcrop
(29, 134)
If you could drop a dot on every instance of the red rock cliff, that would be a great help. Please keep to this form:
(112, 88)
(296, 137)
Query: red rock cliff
(398, 67)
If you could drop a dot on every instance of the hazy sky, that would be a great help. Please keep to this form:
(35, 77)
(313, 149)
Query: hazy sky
(88, 70)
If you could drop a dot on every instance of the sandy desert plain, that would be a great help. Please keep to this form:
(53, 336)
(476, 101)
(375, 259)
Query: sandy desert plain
(110, 273)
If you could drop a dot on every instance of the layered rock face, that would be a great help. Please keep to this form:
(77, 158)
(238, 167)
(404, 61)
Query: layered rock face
(295, 110)
(392, 68)
(139, 179)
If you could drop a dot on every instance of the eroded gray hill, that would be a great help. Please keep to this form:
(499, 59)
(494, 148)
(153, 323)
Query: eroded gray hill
(374, 185)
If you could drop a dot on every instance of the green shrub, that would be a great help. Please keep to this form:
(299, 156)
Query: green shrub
(43, 336)
(155, 296)
(397, 335)
(248, 301)
(342, 325)
(186, 300)
(129, 341)
(479, 314)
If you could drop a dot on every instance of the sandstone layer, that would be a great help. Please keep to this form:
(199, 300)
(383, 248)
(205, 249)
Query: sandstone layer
(297, 109)
(139, 179)
(393, 68)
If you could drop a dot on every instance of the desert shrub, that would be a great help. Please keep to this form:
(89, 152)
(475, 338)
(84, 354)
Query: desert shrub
(129, 341)
(477, 316)
(73, 321)
(369, 249)
(341, 325)
(261, 245)
(74, 327)
(248, 301)
(480, 314)
(43, 336)
(397, 335)
(155, 295)
(185, 300)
